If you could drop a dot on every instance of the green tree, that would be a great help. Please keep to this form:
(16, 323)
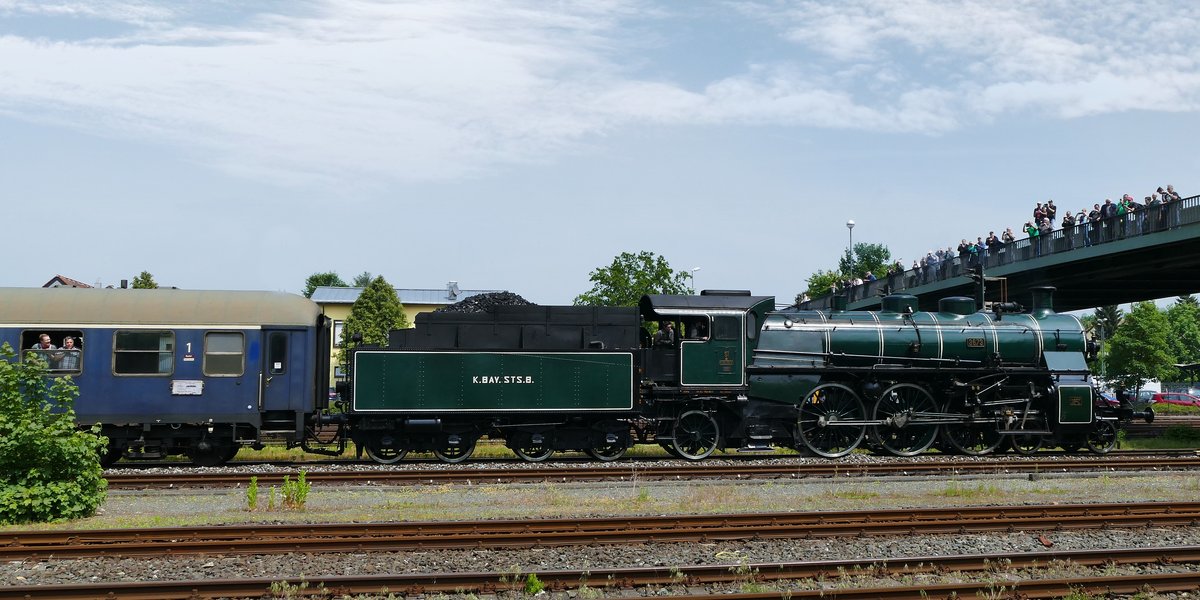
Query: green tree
(867, 257)
(820, 282)
(49, 470)
(1138, 351)
(1107, 321)
(1184, 319)
(363, 279)
(376, 312)
(144, 281)
(317, 280)
(631, 276)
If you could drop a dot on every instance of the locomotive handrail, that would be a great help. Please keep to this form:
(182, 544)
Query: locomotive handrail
(1142, 222)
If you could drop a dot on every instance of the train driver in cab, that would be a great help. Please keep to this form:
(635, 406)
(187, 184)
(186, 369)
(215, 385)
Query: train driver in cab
(698, 329)
(665, 335)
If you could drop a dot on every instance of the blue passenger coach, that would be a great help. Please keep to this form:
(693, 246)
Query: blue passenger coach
(166, 371)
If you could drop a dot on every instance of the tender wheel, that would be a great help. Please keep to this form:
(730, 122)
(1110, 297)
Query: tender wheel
(386, 455)
(1103, 437)
(607, 453)
(901, 407)
(696, 435)
(1027, 444)
(531, 452)
(614, 444)
(818, 422)
(454, 449)
(976, 437)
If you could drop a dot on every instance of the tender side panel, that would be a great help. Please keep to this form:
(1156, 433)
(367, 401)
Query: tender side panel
(415, 381)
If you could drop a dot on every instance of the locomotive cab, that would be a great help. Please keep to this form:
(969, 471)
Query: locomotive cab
(716, 333)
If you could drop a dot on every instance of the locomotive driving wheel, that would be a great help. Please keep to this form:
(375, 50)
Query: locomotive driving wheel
(696, 435)
(976, 435)
(1103, 437)
(385, 454)
(821, 413)
(901, 407)
(1026, 444)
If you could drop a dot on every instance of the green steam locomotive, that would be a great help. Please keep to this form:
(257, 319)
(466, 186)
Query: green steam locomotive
(739, 374)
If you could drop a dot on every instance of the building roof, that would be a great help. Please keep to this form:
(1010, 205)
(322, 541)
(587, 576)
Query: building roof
(64, 281)
(445, 296)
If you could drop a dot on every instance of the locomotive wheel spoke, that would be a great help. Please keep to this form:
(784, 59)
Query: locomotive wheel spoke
(821, 410)
(1027, 444)
(1102, 438)
(385, 455)
(696, 435)
(975, 436)
(902, 407)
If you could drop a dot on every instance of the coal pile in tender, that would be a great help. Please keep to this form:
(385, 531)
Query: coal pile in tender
(485, 303)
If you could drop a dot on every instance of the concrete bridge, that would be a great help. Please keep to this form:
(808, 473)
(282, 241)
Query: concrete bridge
(1143, 255)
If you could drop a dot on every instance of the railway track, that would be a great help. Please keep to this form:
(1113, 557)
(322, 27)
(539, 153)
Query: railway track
(618, 471)
(1002, 570)
(393, 536)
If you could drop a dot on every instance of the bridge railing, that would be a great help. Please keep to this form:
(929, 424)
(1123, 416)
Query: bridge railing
(1142, 222)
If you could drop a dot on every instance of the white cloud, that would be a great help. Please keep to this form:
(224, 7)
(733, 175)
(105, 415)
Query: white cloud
(336, 91)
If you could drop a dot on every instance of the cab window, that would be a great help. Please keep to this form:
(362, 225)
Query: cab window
(224, 354)
(144, 352)
(727, 328)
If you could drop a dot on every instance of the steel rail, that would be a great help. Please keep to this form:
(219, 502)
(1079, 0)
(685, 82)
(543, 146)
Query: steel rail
(653, 472)
(359, 537)
(628, 578)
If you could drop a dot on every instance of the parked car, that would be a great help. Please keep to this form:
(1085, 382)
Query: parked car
(1179, 398)
(1107, 398)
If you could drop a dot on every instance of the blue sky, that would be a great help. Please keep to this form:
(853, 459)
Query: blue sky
(521, 144)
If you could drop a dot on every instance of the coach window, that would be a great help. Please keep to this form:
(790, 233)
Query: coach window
(63, 351)
(144, 353)
(224, 354)
(277, 353)
(727, 328)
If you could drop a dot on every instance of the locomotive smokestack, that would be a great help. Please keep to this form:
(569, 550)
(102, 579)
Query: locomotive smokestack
(1043, 300)
(837, 303)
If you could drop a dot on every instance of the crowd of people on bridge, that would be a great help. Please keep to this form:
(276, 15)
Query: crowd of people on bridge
(1044, 233)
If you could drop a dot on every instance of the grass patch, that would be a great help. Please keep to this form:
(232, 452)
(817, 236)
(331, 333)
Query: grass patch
(956, 489)
(853, 494)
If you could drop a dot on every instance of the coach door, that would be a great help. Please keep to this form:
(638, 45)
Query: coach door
(281, 378)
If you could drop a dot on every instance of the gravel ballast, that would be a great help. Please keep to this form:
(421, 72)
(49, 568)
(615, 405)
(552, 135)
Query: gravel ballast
(483, 501)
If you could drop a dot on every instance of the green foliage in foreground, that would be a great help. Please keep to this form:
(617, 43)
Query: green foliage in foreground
(49, 470)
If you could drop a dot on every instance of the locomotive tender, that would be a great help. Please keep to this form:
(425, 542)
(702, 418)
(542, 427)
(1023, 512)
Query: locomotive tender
(203, 373)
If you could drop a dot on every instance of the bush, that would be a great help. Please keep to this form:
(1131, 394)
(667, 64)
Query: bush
(49, 470)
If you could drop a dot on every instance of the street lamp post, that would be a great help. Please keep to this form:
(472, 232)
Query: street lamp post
(850, 226)
(692, 273)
